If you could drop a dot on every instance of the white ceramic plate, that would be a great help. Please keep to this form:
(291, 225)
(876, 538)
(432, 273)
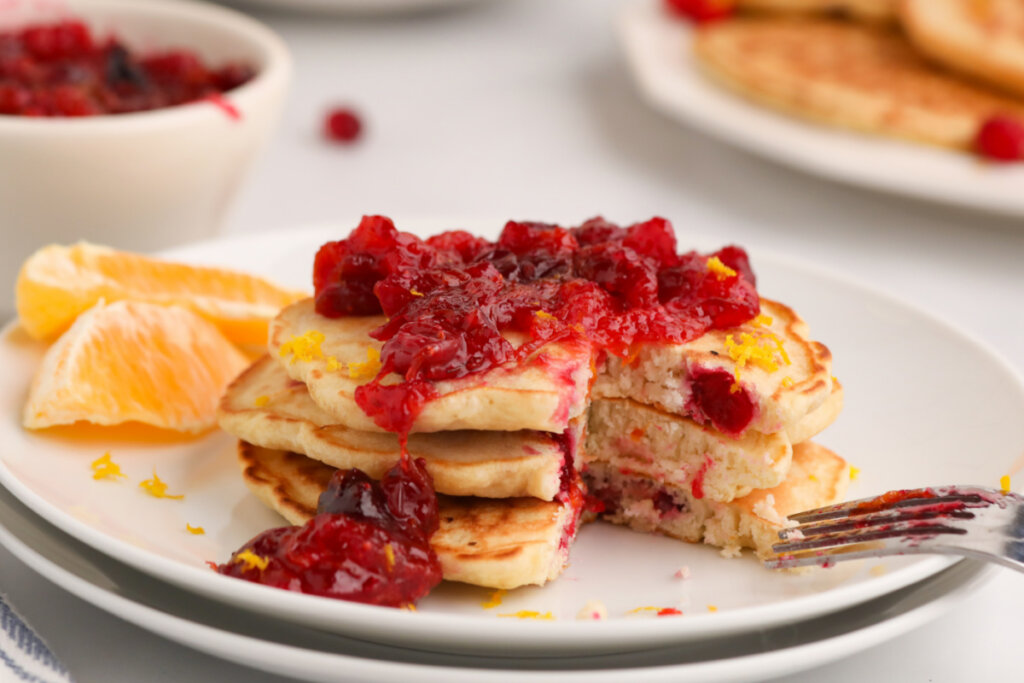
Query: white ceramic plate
(276, 647)
(925, 405)
(659, 54)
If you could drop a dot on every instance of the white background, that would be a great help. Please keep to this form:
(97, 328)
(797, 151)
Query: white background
(524, 109)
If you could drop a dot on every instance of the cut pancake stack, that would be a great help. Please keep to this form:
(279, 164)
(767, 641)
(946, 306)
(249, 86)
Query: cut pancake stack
(648, 434)
(935, 71)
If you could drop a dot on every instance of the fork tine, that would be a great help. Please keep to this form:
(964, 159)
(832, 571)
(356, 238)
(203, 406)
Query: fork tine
(897, 499)
(925, 511)
(913, 531)
(854, 551)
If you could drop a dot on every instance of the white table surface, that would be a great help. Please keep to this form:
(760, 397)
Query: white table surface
(524, 109)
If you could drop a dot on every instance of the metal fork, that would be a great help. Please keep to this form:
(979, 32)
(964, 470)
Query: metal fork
(972, 521)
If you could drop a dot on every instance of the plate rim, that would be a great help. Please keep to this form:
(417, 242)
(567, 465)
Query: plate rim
(284, 659)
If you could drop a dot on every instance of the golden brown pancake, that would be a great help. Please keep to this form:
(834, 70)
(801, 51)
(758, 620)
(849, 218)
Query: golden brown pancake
(658, 375)
(849, 75)
(543, 393)
(817, 477)
(981, 39)
(265, 407)
(678, 452)
(551, 389)
(494, 543)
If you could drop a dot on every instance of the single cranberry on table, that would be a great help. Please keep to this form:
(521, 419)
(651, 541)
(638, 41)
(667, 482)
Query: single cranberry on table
(342, 125)
(62, 69)
(1001, 138)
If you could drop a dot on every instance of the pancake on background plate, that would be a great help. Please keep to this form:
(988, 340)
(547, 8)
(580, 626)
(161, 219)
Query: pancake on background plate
(980, 39)
(850, 75)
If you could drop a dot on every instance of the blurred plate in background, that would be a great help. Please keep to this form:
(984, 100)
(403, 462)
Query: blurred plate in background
(658, 48)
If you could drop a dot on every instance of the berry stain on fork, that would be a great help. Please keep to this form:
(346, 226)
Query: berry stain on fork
(963, 520)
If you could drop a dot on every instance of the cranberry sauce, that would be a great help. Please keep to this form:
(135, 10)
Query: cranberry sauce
(719, 400)
(452, 299)
(369, 542)
(62, 69)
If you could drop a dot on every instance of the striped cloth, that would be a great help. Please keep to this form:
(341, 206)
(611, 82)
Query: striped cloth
(23, 654)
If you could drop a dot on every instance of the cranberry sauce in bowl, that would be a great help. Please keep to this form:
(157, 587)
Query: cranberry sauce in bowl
(63, 68)
(136, 180)
(450, 299)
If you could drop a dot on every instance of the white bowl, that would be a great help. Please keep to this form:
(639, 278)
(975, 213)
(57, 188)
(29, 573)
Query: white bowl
(145, 180)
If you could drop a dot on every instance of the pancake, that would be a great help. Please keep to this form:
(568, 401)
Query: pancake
(982, 40)
(544, 393)
(265, 407)
(817, 477)
(497, 544)
(879, 11)
(662, 375)
(676, 451)
(548, 391)
(848, 75)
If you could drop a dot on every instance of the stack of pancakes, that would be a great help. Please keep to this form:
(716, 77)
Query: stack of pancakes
(932, 71)
(507, 447)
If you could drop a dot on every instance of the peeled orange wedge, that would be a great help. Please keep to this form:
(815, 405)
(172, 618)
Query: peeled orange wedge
(134, 362)
(58, 283)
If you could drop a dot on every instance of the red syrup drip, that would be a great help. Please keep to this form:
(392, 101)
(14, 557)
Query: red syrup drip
(451, 299)
(697, 485)
(369, 542)
(62, 69)
(222, 103)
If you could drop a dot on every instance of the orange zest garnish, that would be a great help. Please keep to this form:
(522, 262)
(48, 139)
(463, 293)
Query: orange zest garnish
(415, 293)
(251, 560)
(544, 315)
(1004, 483)
(759, 351)
(389, 556)
(261, 401)
(304, 347)
(368, 369)
(720, 270)
(158, 489)
(494, 600)
(854, 473)
(195, 530)
(530, 614)
(105, 468)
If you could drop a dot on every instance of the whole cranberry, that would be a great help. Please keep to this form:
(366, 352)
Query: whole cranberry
(1001, 138)
(342, 125)
(14, 99)
(701, 11)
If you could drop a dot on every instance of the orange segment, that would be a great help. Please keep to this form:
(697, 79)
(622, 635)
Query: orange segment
(134, 362)
(58, 283)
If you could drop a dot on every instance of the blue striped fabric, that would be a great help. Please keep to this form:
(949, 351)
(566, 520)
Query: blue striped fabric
(23, 654)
